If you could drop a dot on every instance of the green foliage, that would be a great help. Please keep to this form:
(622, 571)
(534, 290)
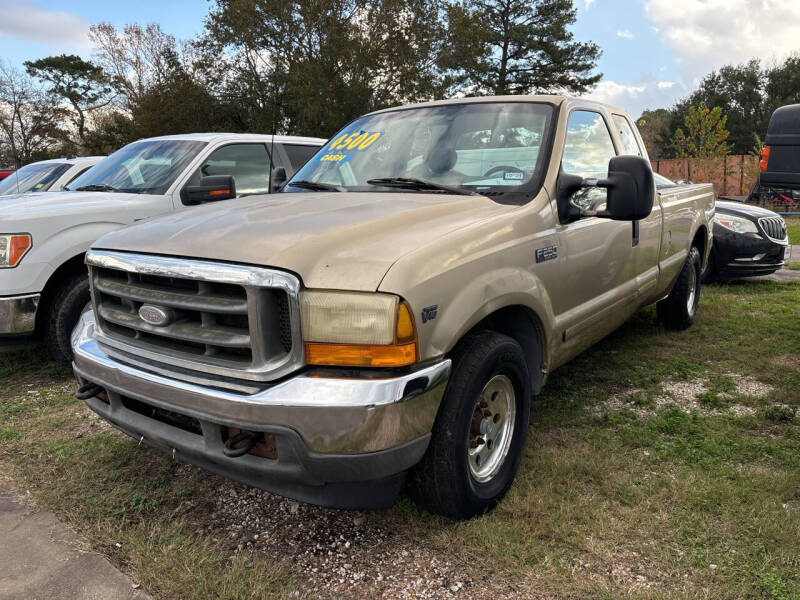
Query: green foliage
(83, 84)
(518, 47)
(307, 68)
(705, 135)
(747, 94)
(653, 125)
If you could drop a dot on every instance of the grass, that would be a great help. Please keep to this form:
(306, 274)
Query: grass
(629, 486)
(793, 227)
(133, 506)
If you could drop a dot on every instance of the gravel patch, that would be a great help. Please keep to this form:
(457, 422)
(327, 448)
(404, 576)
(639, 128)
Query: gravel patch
(341, 554)
(749, 386)
(685, 394)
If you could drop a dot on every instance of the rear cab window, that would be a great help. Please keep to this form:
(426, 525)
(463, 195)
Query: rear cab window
(299, 154)
(630, 144)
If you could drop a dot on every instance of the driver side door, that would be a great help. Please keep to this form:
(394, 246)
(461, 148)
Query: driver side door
(596, 288)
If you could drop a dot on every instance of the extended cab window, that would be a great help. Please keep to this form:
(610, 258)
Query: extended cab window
(625, 131)
(248, 164)
(587, 150)
(299, 154)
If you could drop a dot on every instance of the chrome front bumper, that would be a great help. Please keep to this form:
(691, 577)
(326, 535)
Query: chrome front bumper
(18, 314)
(330, 415)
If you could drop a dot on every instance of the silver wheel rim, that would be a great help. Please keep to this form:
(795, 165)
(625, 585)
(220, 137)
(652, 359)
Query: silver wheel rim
(491, 429)
(692, 288)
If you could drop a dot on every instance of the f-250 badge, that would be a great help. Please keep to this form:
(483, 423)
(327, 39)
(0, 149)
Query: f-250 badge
(546, 253)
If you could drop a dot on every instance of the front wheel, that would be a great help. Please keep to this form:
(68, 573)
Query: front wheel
(477, 439)
(678, 310)
(67, 307)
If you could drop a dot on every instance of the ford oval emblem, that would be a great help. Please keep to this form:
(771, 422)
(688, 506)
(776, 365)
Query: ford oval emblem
(155, 315)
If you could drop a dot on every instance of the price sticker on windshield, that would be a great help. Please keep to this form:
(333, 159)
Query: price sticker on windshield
(341, 149)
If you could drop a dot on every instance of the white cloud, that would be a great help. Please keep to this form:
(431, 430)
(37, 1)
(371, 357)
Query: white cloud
(708, 34)
(588, 3)
(635, 97)
(665, 85)
(625, 34)
(24, 21)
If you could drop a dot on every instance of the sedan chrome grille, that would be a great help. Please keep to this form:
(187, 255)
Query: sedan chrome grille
(774, 228)
(197, 316)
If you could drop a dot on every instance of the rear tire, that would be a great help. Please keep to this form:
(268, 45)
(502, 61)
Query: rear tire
(480, 429)
(66, 309)
(710, 272)
(678, 310)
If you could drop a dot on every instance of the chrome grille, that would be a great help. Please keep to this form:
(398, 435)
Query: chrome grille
(773, 227)
(224, 320)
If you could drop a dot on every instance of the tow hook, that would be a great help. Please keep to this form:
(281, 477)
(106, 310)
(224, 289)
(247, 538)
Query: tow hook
(230, 449)
(88, 390)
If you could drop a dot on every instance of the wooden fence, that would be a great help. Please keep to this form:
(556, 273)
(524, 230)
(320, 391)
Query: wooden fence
(731, 175)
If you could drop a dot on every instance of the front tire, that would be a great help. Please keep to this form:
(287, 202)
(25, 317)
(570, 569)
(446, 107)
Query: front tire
(479, 433)
(66, 309)
(678, 310)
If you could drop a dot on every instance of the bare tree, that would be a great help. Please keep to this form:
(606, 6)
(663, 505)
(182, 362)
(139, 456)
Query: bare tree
(29, 117)
(134, 57)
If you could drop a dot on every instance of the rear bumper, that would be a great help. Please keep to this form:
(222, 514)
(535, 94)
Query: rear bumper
(340, 442)
(18, 314)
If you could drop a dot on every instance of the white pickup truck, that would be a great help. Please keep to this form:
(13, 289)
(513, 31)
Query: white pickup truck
(47, 175)
(43, 237)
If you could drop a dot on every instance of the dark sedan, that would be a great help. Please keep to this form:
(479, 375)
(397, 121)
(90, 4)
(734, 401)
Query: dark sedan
(748, 241)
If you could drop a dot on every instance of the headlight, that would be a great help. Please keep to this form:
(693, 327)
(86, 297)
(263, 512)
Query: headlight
(737, 224)
(357, 329)
(13, 246)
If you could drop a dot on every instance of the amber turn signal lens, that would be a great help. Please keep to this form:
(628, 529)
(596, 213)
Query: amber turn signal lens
(356, 355)
(405, 325)
(20, 244)
(764, 162)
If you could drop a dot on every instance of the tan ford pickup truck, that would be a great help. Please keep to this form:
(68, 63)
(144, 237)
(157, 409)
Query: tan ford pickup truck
(387, 319)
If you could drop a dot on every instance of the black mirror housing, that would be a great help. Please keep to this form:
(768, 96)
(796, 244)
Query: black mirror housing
(211, 189)
(278, 178)
(631, 189)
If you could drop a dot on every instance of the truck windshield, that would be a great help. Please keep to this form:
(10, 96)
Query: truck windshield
(147, 167)
(478, 147)
(37, 177)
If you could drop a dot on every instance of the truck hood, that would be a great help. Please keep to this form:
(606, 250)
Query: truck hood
(332, 240)
(52, 204)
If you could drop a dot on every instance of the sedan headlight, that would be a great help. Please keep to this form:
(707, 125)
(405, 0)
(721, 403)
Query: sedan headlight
(357, 329)
(737, 224)
(13, 246)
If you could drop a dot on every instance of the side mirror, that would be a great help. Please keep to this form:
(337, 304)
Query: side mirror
(630, 191)
(278, 178)
(211, 189)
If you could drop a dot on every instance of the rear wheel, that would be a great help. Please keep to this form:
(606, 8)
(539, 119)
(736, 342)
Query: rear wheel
(710, 272)
(480, 430)
(678, 310)
(66, 309)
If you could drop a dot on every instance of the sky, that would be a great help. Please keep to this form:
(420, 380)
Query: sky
(654, 51)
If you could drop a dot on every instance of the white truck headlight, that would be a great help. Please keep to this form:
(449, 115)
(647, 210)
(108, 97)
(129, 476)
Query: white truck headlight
(13, 246)
(357, 329)
(737, 224)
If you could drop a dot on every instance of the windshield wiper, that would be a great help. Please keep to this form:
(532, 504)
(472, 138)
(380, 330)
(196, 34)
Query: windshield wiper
(411, 183)
(96, 187)
(316, 186)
